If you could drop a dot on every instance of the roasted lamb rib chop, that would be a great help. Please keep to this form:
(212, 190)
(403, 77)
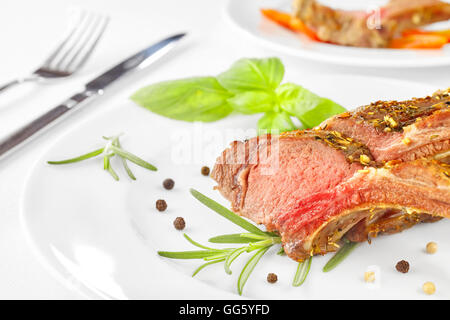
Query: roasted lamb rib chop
(315, 186)
(351, 28)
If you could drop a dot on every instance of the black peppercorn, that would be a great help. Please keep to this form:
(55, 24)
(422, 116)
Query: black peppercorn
(205, 171)
(179, 223)
(161, 205)
(272, 278)
(402, 266)
(168, 184)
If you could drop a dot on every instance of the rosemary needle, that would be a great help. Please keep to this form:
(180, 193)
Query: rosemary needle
(132, 158)
(224, 212)
(339, 256)
(110, 169)
(195, 243)
(302, 272)
(232, 256)
(205, 265)
(248, 268)
(196, 254)
(232, 238)
(124, 161)
(79, 158)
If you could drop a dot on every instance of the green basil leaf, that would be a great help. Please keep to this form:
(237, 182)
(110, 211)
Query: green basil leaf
(252, 102)
(253, 74)
(192, 99)
(308, 107)
(276, 121)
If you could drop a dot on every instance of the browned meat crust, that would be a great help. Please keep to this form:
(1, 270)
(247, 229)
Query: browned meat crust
(401, 130)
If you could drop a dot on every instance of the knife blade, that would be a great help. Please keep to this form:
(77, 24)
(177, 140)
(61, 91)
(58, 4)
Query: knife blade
(92, 89)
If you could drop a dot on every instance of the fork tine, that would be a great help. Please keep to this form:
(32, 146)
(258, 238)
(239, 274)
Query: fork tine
(73, 44)
(89, 45)
(74, 29)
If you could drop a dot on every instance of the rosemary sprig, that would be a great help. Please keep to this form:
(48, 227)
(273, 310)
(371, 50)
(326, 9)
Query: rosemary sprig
(339, 256)
(227, 255)
(255, 240)
(112, 148)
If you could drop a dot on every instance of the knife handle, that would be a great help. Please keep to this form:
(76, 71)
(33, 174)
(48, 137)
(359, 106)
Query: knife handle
(19, 137)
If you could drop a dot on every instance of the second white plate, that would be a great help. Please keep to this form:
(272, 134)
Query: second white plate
(246, 17)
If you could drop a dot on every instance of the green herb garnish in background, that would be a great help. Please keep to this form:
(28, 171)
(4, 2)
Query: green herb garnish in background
(250, 86)
(256, 240)
(112, 148)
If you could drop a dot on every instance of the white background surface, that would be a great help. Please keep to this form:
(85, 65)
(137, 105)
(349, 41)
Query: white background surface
(30, 28)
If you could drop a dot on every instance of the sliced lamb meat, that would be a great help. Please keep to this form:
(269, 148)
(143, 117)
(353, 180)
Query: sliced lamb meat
(351, 28)
(327, 155)
(313, 186)
(385, 200)
(400, 130)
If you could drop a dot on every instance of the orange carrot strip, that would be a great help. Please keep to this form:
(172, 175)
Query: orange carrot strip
(419, 41)
(445, 33)
(297, 25)
(281, 18)
(288, 21)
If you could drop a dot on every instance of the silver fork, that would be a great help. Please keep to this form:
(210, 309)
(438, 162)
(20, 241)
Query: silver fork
(71, 53)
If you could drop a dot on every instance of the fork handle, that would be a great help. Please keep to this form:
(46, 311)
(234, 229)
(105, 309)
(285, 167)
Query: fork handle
(19, 137)
(9, 85)
(13, 83)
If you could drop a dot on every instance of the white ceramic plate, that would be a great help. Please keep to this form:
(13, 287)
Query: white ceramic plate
(100, 236)
(247, 19)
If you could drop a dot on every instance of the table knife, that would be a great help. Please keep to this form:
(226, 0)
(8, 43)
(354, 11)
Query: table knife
(91, 90)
